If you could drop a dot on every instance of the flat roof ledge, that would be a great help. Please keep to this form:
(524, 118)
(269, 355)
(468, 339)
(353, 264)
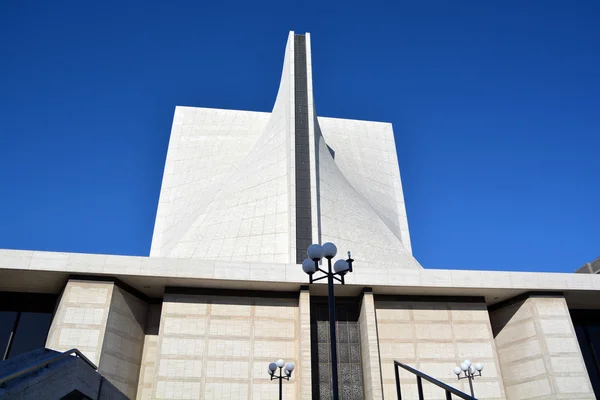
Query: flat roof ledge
(47, 272)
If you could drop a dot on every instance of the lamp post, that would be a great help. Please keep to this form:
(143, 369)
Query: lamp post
(470, 370)
(340, 268)
(289, 367)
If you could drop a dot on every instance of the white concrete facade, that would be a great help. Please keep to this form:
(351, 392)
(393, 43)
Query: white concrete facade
(538, 350)
(222, 294)
(228, 188)
(107, 324)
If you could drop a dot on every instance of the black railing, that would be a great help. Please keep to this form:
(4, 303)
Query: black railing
(420, 376)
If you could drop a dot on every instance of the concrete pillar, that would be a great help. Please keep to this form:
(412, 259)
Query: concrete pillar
(106, 323)
(150, 353)
(304, 369)
(369, 347)
(538, 350)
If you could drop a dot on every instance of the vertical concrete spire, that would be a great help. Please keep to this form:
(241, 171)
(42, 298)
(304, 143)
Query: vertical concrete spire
(262, 187)
(302, 151)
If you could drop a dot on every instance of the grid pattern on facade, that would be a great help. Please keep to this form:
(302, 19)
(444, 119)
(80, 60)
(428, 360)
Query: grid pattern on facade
(302, 152)
(350, 376)
(432, 336)
(219, 347)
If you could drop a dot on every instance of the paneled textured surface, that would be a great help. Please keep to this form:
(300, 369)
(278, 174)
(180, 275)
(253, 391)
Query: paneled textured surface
(123, 341)
(370, 348)
(107, 325)
(304, 370)
(81, 317)
(150, 353)
(205, 149)
(365, 153)
(261, 187)
(538, 350)
(225, 193)
(349, 221)
(434, 337)
(216, 347)
(350, 371)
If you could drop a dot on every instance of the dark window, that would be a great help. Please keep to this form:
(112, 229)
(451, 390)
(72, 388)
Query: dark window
(24, 321)
(349, 356)
(7, 321)
(31, 333)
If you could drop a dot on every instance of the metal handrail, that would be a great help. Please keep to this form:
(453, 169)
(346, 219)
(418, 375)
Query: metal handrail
(45, 363)
(420, 376)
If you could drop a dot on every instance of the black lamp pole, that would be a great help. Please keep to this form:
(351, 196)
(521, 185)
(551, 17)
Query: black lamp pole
(338, 276)
(332, 333)
(281, 377)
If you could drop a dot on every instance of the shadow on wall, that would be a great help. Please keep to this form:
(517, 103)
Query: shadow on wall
(467, 303)
(502, 314)
(331, 151)
(153, 319)
(137, 307)
(230, 297)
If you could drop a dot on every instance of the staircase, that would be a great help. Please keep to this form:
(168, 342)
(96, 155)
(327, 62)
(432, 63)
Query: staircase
(45, 374)
(449, 390)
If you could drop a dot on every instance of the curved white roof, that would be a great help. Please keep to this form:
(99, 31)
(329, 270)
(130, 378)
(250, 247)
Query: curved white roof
(232, 190)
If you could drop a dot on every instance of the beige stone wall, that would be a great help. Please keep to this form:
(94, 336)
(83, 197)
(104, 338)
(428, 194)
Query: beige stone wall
(434, 337)
(106, 324)
(123, 342)
(304, 370)
(81, 317)
(217, 347)
(369, 348)
(538, 350)
(149, 354)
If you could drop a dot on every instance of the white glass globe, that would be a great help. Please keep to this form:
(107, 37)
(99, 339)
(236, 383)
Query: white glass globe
(315, 252)
(329, 250)
(468, 362)
(280, 363)
(479, 366)
(289, 367)
(457, 370)
(341, 266)
(270, 372)
(472, 370)
(272, 367)
(464, 366)
(309, 266)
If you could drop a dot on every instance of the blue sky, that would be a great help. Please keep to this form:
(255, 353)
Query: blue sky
(495, 105)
